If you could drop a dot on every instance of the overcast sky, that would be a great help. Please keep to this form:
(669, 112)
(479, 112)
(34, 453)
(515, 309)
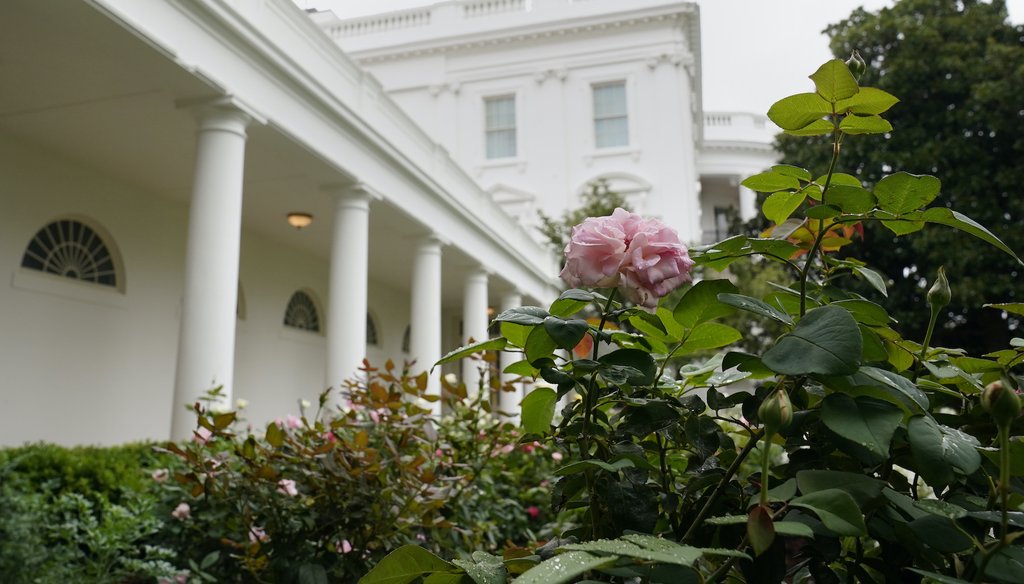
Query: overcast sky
(754, 51)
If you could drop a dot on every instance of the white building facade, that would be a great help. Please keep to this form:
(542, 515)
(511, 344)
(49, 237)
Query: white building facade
(538, 99)
(150, 153)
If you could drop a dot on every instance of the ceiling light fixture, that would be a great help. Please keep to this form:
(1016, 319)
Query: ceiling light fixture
(299, 220)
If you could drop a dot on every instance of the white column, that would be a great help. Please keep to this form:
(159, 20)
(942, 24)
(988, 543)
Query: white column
(206, 343)
(347, 290)
(748, 201)
(474, 325)
(508, 401)
(425, 314)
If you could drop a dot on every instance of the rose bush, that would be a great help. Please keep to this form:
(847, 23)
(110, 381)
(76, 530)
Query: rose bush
(842, 452)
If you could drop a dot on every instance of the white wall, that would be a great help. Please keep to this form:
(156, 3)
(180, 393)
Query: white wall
(81, 363)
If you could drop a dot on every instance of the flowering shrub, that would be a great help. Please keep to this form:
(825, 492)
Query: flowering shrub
(323, 496)
(842, 452)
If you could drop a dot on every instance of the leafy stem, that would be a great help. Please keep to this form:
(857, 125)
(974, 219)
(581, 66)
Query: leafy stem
(836, 143)
(720, 487)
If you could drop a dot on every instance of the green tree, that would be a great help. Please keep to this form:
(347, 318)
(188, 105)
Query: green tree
(958, 66)
(599, 201)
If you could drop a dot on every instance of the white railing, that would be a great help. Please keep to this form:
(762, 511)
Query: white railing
(478, 8)
(381, 23)
(738, 126)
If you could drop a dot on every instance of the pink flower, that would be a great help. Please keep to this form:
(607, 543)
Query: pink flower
(344, 547)
(643, 257)
(533, 511)
(293, 422)
(160, 475)
(202, 435)
(256, 534)
(182, 512)
(556, 456)
(287, 487)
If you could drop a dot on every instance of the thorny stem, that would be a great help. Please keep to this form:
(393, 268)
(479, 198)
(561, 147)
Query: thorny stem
(1004, 480)
(720, 488)
(589, 403)
(765, 461)
(836, 142)
(927, 338)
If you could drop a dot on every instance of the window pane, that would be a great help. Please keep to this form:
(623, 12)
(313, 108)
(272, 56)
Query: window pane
(611, 132)
(501, 144)
(609, 100)
(500, 126)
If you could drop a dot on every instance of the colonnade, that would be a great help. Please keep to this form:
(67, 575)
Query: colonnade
(206, 344)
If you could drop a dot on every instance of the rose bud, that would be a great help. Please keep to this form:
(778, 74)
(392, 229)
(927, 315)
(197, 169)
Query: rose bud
(939, 294)
(1001, 402)
(776, 412)
(856, 64)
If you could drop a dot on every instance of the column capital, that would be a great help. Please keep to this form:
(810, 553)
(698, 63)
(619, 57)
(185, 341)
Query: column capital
(428, 241)
(209, 109)
(351, 192)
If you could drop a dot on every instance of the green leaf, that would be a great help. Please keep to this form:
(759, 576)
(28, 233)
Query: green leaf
(793, 171)
(521, 368)
(275, 436)
(903, 192)
(854, 125)
(941, 451)
(939, 533)
(866, 312)
(756, 306)
(564, 568)
(570, 302)
(853, 200)
(938, 578)
(312, 574)
(907, 394)
(869, 100)
(566, 333)
(866, 491)
(951, 218)
(771, 181)
(538, 410)
(709, 335)
(815, 128)
(1007, 565)
(484, 568)
(700, 303)
(405, 565)
(760, 530)
(826, 341)
(779, 206)
(798, 111)
(1011, 307)
(836, 509)
(874, 278)
(794, 529)
(672, 553)
(867, 422)
(637, 359)
(941, 508)
(539, 344)
(822, 212)
(528, 315)
(495, 344)
(584, 465)
(516, 333)
(833, 81)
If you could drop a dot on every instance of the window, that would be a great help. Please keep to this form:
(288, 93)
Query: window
(71, 249)
(611, 124)
(500, 126)
(371, 331)
(302, 313)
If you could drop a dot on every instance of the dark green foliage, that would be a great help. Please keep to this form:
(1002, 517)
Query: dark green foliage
(958, 67)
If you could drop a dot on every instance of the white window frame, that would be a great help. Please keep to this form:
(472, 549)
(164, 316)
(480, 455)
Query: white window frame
(626, 115)
(514, 98)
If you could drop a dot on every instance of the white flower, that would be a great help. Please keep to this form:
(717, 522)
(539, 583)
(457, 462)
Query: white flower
(241, 404)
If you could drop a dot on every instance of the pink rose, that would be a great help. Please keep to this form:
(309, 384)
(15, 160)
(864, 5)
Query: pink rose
(656, 263)
(556, 456)
(182, 512)
(160, 475)
(533, 511)
(256, 534)
(643, 257)
(293, 422)
(287, 487)
(343, 547)
(202, 435)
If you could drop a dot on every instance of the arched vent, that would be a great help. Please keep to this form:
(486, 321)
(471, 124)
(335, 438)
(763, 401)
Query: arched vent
(302, 313)
(74, 250)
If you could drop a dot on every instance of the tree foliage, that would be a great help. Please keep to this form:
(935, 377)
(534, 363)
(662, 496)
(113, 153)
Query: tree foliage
(958, 67)
(599, 201)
